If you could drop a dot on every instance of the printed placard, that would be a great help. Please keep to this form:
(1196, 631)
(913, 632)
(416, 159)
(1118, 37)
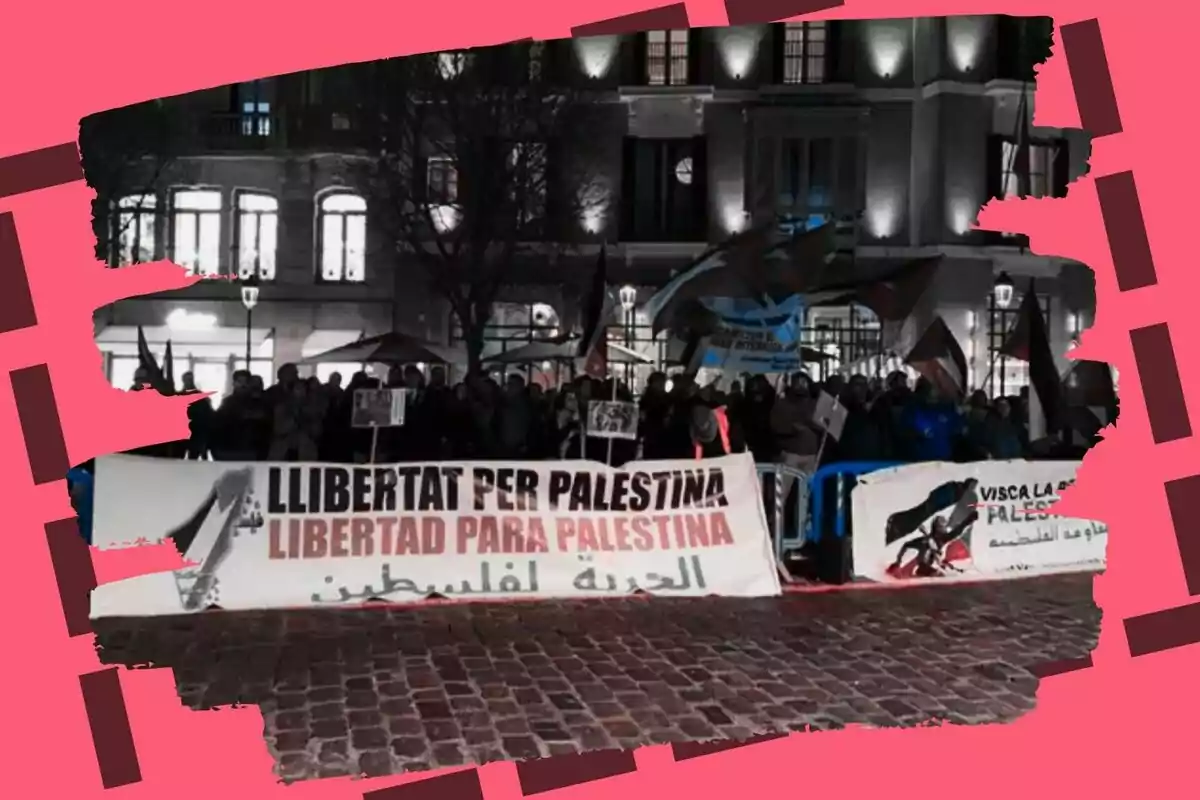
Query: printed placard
(379, 408)
(612, 419)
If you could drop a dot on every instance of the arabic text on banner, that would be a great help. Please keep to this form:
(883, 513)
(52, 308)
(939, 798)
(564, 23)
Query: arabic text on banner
(946, 521)
(270, 535)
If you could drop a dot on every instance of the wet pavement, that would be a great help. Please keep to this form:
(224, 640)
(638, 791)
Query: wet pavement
(386, 690)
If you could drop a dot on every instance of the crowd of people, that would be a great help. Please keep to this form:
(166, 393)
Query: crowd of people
(504, 417)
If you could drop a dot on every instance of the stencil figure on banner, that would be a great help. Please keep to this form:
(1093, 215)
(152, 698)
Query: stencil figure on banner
(279, 534)
(983, 519)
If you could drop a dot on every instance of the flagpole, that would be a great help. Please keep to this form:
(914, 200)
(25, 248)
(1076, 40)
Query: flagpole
(608, 455)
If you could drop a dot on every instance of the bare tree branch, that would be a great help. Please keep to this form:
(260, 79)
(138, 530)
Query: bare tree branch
(126, 152)
(477, 162)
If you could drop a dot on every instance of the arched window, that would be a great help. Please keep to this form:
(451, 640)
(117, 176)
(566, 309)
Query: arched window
(342, 229)
(134, 229)
(196, 230)
(257, 230)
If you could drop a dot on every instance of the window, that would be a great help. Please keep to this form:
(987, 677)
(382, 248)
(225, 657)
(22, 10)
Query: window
(664, 195)
(451, 65)
(256, 118)
(134, 234)
(257, 224)
(196, 226)
(809, 182)
(343, 232)
(1007, 375)
(1041, 159)
(804, 51)
(441, 181)
(667, 58)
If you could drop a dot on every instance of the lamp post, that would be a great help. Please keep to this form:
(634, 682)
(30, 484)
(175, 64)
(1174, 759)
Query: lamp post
(628, 297)
(1002, 290)
(249, 300)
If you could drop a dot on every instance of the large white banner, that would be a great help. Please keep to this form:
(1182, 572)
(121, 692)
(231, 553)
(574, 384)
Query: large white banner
(944, 521)
(269, 535)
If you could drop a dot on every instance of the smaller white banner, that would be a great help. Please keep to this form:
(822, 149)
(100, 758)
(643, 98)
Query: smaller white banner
(946, 521)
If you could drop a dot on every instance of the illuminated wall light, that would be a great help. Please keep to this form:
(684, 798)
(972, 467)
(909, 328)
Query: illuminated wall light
(962, 216)
(886, 43)
(882, 216)
(593, 205)
(592, 220)
(596, 54)
(733, 216)
(445, 218)
(738, 47)
(964, 37)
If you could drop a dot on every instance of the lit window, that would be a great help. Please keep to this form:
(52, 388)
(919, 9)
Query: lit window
(343, 231)
(135, 229)
(256, 119)
(196, 226)
(667, 58)
(441, 181)
(258, 222)
(804, 50)
(451, 65)
(1040, 158)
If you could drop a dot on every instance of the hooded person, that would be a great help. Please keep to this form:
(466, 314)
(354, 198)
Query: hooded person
(710, 431)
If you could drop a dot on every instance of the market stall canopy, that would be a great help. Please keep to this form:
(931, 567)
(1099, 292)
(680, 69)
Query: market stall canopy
(387, 348)
(563, 350)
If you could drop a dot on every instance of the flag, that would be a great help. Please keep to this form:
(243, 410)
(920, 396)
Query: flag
(149, 364)
(938, 356)
(1029, 342)
(761, 264)
(593, 344)
(169, 369)
(900, 300)
(1089, 398)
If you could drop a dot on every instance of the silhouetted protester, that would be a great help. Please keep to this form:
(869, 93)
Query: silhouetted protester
(862, 438)
(931, 424)
(1002, 435)
(291, 433)
(201, 420)
(239, 422)
(793, 425)
(753, 413)
(654, 408)
(515, 419)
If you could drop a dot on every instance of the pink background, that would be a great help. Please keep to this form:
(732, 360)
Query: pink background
(1119, 727)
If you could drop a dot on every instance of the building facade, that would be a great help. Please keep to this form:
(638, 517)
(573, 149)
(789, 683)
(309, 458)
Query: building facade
(897, 130)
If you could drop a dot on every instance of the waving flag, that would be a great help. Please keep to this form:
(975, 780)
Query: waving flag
(593, 344)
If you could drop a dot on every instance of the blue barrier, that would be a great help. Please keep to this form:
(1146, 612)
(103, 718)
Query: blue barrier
(816, 491)
(783, 475)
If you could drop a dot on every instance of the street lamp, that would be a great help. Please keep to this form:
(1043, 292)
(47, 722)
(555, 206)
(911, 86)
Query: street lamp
(1002, 291)
(249, 300)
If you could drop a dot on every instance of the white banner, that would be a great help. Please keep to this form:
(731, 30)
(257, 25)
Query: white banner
(949, 521)
(270, 535)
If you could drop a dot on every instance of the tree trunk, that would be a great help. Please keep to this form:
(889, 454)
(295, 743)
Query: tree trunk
(473, 338)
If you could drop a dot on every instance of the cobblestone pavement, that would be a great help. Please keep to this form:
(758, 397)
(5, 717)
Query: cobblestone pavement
(383, 690)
